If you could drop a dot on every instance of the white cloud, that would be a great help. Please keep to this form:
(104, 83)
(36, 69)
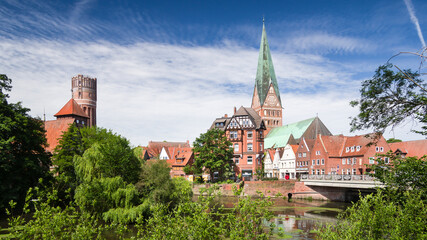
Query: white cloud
(414, 20)
(149, 91)
(323, 43)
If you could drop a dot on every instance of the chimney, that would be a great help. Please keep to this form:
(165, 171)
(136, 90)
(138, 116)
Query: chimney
(234, 109)
(226, 115)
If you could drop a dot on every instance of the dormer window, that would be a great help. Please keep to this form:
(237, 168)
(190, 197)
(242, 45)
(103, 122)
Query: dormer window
(347, 149)
(352, 149)
(358, 148)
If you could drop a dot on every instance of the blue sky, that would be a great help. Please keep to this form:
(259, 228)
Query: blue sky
(166, 69)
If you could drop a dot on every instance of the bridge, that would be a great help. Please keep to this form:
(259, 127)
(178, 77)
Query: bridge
(341, 181)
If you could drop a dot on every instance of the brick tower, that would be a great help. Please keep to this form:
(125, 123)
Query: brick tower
(266, 97)
(83, 91)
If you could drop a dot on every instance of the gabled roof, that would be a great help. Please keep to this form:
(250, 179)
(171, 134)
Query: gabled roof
(332, 144)
(221, 123)
(71, 108)
(179, 156)
(253, 116)
(294, 148)
(417, 148)
(265, 75)
(354, 141)
(154, 148)
(279, 136)
(54, 130)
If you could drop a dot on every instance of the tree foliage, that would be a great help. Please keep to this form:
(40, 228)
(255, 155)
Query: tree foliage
(212, 153)
(23, 159)
(389, 98)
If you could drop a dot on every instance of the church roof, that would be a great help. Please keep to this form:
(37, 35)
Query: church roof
(71, 108)
(265, 75)
(279, 136)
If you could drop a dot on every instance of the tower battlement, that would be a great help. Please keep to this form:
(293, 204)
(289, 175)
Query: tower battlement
(84, 92)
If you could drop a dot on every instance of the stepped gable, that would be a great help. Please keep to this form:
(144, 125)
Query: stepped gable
(71, 108)
(54, 130)
(416, 148)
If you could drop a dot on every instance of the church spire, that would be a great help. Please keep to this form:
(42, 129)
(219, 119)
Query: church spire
(265, 75)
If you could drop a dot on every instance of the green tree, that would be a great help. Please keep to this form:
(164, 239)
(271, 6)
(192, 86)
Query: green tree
(393, 140)
(212, 152)
(389, 98)
(23, 159)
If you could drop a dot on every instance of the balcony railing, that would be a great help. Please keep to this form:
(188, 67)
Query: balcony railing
(337, 177)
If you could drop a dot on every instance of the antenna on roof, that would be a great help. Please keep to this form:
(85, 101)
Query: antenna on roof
(44, 114)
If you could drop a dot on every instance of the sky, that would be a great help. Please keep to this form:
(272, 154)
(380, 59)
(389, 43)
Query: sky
(167, 69)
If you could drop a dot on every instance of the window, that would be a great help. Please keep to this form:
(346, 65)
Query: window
(358, 148)
(318, 161)
(371, 160)
(318, 172)
(343, 161)
(306, 163)
(352, 148)
(386, 160)
(299, 154)
(313, 162)
(236, 160)
(381, 149)
(354, 171)
(348, 160)
(323, 171)
(233, 134)
(354, 161)
(236, 147)
(317, 152)
(348, 171)
(377, 149)
(249, 159)
(312, 171)
(77, 121)
(304, 154)
(260, 147)
(347, 149)
(323, 161)
(250, 148)
(249, 134)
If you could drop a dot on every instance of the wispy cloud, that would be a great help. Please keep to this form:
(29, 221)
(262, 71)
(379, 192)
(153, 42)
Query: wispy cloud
(151, 91)
(414, 20)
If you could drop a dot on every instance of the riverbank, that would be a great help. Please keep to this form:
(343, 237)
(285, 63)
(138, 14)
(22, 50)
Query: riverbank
(267, 188)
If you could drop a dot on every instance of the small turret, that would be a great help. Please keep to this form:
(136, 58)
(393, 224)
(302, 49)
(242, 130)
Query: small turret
(84, 92)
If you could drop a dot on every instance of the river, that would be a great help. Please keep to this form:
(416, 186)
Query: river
(298, 218)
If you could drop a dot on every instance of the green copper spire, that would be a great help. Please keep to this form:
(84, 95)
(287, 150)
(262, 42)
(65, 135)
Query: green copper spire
(265, 75)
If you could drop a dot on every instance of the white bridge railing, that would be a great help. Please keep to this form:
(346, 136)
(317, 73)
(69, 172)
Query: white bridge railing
(337, 177)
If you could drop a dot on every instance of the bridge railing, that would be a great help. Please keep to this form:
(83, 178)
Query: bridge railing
(337, 177)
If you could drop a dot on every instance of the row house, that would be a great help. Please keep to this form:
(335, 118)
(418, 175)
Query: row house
(417, 148)
(302, 156)
(280, 162)
(345, 155)
(245, 129)
(154, 148)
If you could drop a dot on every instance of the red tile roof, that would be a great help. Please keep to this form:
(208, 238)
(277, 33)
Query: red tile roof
(332, 144)
(295, 148)
(417, 148)
(71, 108)
(54, 131)
(179, 156)
(154, 148)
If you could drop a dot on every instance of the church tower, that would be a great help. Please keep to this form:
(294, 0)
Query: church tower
(83, 91)
(266, 97)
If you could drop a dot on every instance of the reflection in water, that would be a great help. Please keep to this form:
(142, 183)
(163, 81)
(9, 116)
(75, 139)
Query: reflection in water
(298, 218)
